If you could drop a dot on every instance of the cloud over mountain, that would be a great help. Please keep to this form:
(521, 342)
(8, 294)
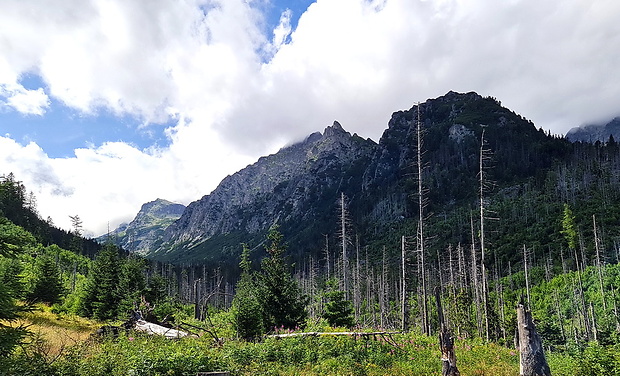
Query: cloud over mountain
(230, 86)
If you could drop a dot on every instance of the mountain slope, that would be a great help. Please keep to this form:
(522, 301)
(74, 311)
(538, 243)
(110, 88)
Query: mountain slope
(595, 132)
(299, 187)
(147, 227)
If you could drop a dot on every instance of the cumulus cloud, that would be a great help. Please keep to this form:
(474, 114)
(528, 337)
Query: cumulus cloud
(236, 91)
(29, 102)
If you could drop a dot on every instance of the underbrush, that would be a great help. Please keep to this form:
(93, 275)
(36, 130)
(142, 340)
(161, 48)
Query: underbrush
(63, 347)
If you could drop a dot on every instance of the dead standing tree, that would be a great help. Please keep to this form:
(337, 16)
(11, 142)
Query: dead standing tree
(531, 354)
(446, 342)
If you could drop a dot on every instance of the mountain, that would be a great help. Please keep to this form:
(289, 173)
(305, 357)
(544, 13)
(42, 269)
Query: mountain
(595, 132)
(299, 188)
(147, 227)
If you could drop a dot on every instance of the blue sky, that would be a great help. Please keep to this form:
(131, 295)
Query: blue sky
(108, 104)
(63, 129)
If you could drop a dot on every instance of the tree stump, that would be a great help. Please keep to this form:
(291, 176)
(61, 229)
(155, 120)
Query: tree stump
(531, 353)
(446, 342)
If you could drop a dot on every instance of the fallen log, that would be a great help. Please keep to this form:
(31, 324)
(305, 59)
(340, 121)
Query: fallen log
(155, 329)
(316, 334)
(138, 323)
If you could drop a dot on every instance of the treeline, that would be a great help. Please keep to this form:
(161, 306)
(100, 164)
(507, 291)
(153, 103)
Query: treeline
(20, 207)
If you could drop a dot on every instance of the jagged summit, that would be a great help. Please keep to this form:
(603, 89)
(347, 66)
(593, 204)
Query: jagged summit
(147, 227)
(299, 187)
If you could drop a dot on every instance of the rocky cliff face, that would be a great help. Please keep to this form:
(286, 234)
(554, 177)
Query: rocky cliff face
(298, 188)
(147, 227)
(280, 188)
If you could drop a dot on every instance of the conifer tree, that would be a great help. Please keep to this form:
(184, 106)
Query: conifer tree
(47, 286)
(246, 306)
(13, 241)
(101, 296)
(338, 310)
(284, 304)
(131, 284)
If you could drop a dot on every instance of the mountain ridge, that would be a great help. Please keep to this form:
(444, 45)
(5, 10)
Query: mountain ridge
(595, 132)
(147, 226)
(299, 187)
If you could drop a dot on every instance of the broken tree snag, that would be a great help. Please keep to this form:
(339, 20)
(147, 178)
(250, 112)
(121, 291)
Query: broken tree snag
(531, 354)
(446, 342)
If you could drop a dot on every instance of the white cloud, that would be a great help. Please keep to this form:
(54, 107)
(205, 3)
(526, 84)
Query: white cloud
(29, 102)
(239, 92)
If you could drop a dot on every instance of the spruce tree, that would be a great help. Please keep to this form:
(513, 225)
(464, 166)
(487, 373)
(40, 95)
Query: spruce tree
(101, 296)
(338, 310)
(13, 241)
(47, 286)
(132, 284)
(284, 304)
(246, 306)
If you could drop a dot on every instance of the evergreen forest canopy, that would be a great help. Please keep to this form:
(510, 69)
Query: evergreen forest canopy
(505, 214)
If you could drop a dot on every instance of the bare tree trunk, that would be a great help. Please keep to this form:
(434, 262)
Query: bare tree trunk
(421, 238)
(531, 353)
(527, 280)
(343, 234)
(599, 264)
(482, 239)
(582, 299)
(559, 313)
(446, 342)
(383, 291)
(403, 294)
(327, 258)
(357, 287)
(474, 277)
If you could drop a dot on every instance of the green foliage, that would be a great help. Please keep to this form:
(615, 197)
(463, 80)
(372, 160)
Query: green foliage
(338, 311)
(9, 311)
(284, 305)
(131, 284)
(10, 270)
(246, 307)
(569, 229)
(599, 360)
(13, 239)
(101, 295)
(47, 284)
(19, 207)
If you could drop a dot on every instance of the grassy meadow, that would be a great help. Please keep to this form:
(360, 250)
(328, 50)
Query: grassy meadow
(63, 345)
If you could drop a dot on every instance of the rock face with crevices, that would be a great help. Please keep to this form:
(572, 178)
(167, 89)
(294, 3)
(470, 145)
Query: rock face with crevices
(146, 228)
(299, 187)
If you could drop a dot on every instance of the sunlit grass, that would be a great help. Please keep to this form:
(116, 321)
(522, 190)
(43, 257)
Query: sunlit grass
(52, 334)
(64, 342)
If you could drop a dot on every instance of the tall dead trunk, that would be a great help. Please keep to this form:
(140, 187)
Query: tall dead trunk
(421, 239)
(531, 353)
(599, 263)
(345, 240)
(404, 307)
(485, 292)
(527, 280)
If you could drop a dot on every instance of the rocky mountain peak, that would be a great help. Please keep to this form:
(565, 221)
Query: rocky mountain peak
(147, 226)
(595, 132)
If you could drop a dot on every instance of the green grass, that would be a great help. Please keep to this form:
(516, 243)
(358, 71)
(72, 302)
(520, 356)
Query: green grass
(64, 349)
